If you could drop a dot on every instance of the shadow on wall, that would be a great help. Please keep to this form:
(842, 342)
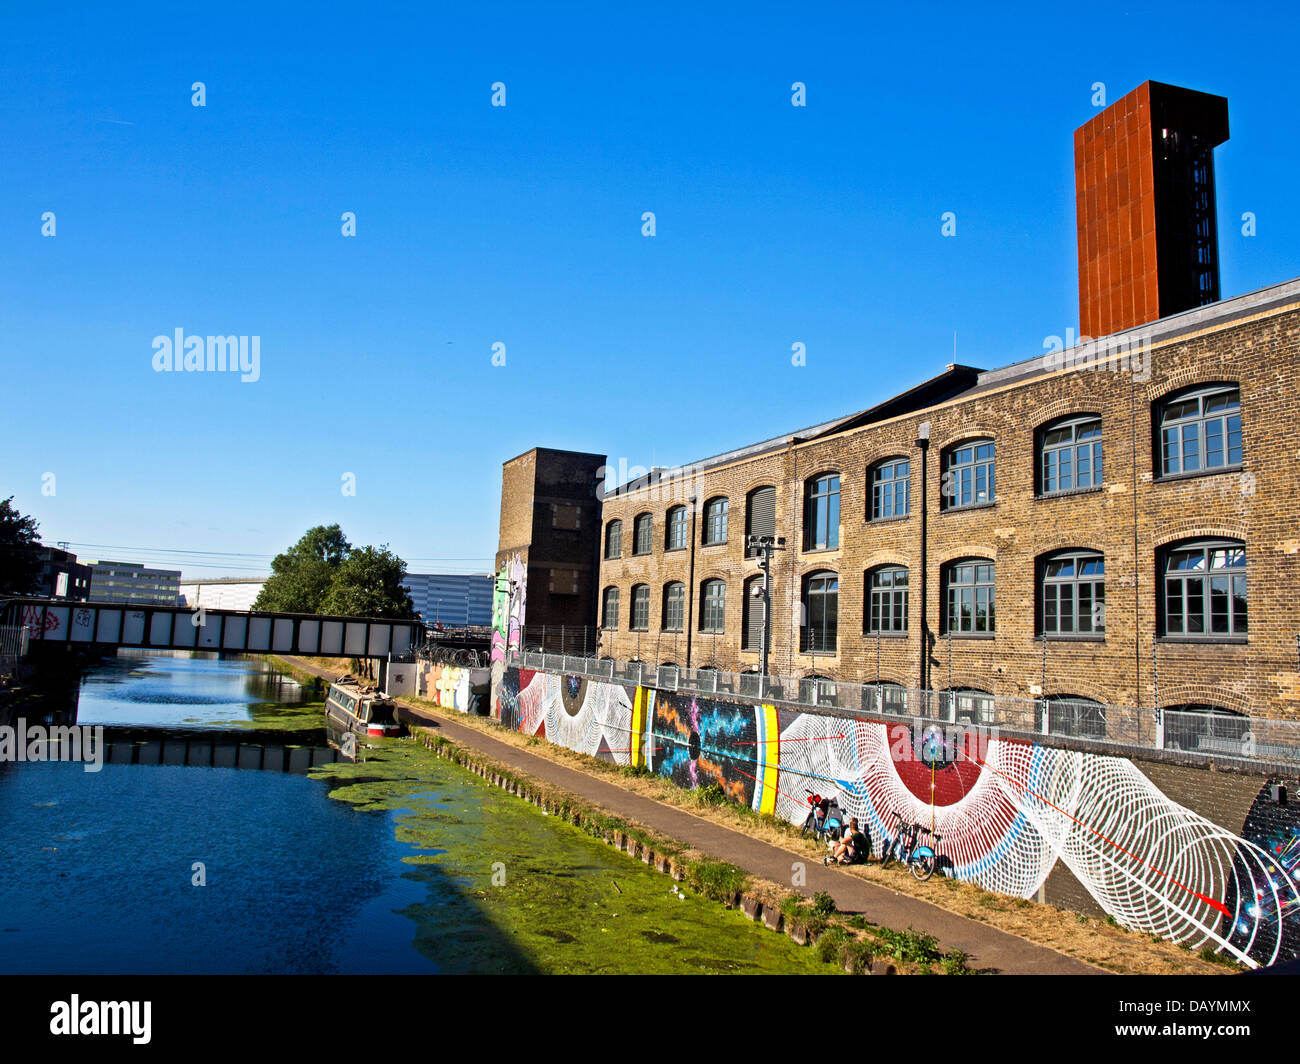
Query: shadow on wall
(1007, 810)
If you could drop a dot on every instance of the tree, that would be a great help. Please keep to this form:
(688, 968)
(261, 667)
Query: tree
(369, 584)
(301, 577)
(20, 564)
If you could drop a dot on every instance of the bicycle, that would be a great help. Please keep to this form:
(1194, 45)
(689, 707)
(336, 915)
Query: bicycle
(824, 817)
(921, 858)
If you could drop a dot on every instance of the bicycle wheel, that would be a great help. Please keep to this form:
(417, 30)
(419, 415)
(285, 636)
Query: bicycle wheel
(886, 854)
(923, 866)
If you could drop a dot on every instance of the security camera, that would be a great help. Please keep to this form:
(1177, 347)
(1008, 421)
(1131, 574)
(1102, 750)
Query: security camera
(758, 591)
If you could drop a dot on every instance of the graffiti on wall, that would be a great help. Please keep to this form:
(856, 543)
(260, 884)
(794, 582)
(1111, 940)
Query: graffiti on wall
(1008, 811)
(447, 685)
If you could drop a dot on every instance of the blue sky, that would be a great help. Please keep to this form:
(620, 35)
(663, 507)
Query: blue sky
(522, 225)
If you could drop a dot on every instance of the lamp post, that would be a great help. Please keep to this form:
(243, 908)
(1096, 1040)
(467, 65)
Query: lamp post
(764, 546)
(923, 442)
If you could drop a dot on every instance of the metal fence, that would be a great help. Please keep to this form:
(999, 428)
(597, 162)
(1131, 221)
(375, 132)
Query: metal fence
(1210, 735)
(13, 645)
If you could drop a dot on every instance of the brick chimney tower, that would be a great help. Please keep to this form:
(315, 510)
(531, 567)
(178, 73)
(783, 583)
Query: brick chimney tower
(1144, 188)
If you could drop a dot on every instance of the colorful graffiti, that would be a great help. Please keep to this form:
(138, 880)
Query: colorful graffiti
(1008, 811)
(448, 686)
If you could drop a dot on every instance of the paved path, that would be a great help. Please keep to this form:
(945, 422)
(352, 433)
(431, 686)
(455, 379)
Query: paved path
(987, 946)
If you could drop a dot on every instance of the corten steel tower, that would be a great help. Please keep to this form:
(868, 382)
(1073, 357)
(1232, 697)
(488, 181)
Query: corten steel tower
(1144, 187)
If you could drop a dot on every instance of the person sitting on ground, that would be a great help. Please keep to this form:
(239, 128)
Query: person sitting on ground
(854, 848)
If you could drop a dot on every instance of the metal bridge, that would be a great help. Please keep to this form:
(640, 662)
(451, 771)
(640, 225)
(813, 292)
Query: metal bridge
(109, 625)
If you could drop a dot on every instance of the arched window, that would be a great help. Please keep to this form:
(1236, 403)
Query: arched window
(642, 533)
(674, 606)
(715, 521)
(1208, 728)
(821, 601)
(887, 600)
(609, 609)
(968, 475)
(1072, 594)
(1204, 589)
(1081, 718)
(1069, 454)
(891, 491)
(888, 698)
(614, 539)
(713, 602)
(751, 636)
(967, 705)
(1200, 430)
(677, 526)
(760, 516)
(968, 589)
(818, 691)
(821, 520)
(641, 608)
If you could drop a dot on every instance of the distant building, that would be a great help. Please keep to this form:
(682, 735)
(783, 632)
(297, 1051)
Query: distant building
(450, 598)
(137, 585)
(221, 592)
(61, 576)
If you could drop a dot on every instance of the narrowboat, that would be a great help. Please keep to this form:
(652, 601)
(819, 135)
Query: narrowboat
(361, 708)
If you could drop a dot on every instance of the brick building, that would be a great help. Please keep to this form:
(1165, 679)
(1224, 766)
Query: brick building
(1111, 498)
(550, 522)
(1109, 524)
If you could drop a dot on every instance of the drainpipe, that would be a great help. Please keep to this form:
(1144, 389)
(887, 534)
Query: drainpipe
(690, 586)
(923, 442)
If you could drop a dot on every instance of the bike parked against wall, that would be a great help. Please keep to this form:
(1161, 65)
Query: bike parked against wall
(825, 818)
(915, 845)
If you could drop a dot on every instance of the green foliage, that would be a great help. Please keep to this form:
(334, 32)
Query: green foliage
(912, 946)
(713, 794)
(823, 903)
(955, 962)
(860, 922)
(19, 564)
(301, 576)
(856, 955)
(716, 879)
(830, 944)
(369, 584)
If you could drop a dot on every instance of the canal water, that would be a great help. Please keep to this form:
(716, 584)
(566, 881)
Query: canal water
(401, 863)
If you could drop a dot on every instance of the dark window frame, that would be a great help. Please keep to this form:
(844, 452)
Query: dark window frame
(877, 487)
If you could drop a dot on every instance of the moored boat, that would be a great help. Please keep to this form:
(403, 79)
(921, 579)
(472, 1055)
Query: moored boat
(361, 708)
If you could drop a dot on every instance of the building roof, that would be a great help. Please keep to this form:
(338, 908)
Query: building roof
(959, 381)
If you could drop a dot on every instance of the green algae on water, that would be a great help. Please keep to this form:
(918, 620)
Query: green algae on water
(543, 895)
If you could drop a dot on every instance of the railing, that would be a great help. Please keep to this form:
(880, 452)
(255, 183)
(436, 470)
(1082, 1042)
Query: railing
(1209, 735)
(13, 644)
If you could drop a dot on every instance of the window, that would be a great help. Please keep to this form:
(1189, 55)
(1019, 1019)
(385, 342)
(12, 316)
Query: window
(1201, 430)
(674, 606)
(818, 691)
(715, 521)
(751, 636)
(887, 698)
(1205, 589)
(1070, 455)
(890, 489)
(610, 609)
(760, 516)
(821, 601)
(1082, 718)
(1073, 594)
(1208, 728)
(821, 530)
(642, 531)
(641, 607)
(713, 601)
(970, 597)
(887, 599)
(968, 475)
(614, 539)
(677, 529)
(969, 706)
(566, 516)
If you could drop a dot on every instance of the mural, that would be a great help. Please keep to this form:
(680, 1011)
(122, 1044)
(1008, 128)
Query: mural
(572, 711)
(447, 685)
(1007, 810)
(509, 598)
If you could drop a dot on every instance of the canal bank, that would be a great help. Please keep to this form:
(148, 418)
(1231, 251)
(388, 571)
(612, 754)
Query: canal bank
(793, 869)
(173, 859)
